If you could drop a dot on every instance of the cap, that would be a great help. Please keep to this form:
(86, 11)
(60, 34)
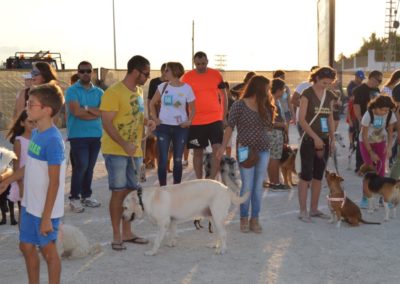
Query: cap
(360, 74)
(27, 76)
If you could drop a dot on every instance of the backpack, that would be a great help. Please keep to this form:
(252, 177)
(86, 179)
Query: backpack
(389, 116)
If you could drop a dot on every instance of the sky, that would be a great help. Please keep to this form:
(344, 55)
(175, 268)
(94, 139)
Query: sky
(251, 34)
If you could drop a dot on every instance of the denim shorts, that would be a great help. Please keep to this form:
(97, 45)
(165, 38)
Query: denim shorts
(122, 174)
(29, 231)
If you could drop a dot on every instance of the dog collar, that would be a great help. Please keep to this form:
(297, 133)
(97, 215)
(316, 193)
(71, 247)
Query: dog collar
(337, 199)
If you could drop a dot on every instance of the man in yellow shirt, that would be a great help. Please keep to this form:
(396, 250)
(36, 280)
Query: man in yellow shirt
(122, 113)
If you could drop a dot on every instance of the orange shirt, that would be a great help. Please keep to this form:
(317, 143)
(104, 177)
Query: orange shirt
(209, 101)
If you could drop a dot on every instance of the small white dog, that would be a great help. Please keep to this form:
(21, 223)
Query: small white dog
(72, 243)
(6, 157)
(173, 204)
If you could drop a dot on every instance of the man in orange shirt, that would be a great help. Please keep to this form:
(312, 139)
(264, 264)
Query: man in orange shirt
(211, 110)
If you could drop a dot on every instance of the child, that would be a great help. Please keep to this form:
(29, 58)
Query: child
(44, 174)
(375, 142)
(19, 135)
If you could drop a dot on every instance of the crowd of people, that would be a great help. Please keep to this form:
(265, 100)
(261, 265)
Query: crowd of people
(186, 111)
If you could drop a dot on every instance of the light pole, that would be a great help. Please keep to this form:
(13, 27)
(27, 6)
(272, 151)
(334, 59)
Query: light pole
(115, 45)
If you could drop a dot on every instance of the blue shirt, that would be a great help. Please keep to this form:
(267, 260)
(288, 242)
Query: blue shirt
(80, 128)
(47, 146)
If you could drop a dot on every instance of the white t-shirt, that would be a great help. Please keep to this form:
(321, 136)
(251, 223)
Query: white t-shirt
(173, 103)
(299, 89)
(45, 148)
(377, 130)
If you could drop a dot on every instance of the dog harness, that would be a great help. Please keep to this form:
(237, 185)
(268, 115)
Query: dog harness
(337, 199)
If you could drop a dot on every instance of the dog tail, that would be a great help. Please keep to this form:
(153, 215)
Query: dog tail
(95, 249)
(369, 223)
(236, 199)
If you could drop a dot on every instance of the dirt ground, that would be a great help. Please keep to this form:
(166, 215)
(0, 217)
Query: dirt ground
(288, 250)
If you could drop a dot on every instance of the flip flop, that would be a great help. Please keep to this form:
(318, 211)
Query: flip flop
(137, 240)
(118, 246)
(319, 215)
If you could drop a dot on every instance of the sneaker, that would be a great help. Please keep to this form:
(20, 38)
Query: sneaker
(278, 187)
(364, 203)
(185, 163)
(90, 202)
(76, 206)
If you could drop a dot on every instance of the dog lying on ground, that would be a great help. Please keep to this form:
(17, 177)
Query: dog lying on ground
(341, 206)
(72, 243)
(6, 205)
(388, 188)
(173, 204)
(287, 164)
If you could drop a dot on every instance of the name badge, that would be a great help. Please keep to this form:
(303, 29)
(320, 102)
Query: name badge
(167, 100)
(324, 124)
(243, 153)
(378, 122)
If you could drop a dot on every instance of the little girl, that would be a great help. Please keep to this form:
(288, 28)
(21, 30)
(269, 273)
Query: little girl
(377, 135)
(19, 135)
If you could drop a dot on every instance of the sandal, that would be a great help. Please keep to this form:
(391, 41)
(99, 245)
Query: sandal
(137, 240)
(319, 214)
(118, 246)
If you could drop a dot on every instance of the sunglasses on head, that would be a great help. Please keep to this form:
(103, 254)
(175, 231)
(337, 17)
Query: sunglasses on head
(83, 71)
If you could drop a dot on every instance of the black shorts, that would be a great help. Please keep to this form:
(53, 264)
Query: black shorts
(201, 135)
(312, 167)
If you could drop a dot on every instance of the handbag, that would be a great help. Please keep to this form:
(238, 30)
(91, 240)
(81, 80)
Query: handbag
(298, 155)
(252, 156)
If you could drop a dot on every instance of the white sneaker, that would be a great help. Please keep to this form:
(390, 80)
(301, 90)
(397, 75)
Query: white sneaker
(90, 202)
(76, 206)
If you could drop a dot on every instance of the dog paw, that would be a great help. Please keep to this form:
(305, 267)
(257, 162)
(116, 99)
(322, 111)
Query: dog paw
(150, 253)
(211, 245)
(220, 251)
(172, 243)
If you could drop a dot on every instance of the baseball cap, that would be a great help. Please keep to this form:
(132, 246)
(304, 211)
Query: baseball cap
(360, 74)
(27, 76)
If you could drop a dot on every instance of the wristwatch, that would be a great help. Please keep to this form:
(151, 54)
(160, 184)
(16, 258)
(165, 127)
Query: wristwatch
(86, 108)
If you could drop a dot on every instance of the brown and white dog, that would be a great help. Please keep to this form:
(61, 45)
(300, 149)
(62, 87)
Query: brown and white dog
(287, 164)
(173, 204)
(386, 187)
(341, 206)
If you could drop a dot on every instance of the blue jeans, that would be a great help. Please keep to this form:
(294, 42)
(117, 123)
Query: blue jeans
(84, 152)
(252, 180)
(165, 135)
(123, 172)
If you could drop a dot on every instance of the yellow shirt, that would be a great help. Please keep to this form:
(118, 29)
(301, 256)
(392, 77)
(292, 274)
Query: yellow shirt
(129, 118)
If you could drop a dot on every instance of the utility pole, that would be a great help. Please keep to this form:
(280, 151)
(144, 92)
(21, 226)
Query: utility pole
(192, 44)
(115, 45)
(391, 25)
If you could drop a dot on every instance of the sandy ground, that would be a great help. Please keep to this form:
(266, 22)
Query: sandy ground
(288, 251)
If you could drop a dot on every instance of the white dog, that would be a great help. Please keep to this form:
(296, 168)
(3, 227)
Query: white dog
(72, 243)
(6, 157)
(173, 204)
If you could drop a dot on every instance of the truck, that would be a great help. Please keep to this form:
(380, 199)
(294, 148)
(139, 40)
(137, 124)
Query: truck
(25, 60)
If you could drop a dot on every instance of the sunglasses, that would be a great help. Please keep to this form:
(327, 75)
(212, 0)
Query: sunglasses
(83, 71)
(378, 80)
